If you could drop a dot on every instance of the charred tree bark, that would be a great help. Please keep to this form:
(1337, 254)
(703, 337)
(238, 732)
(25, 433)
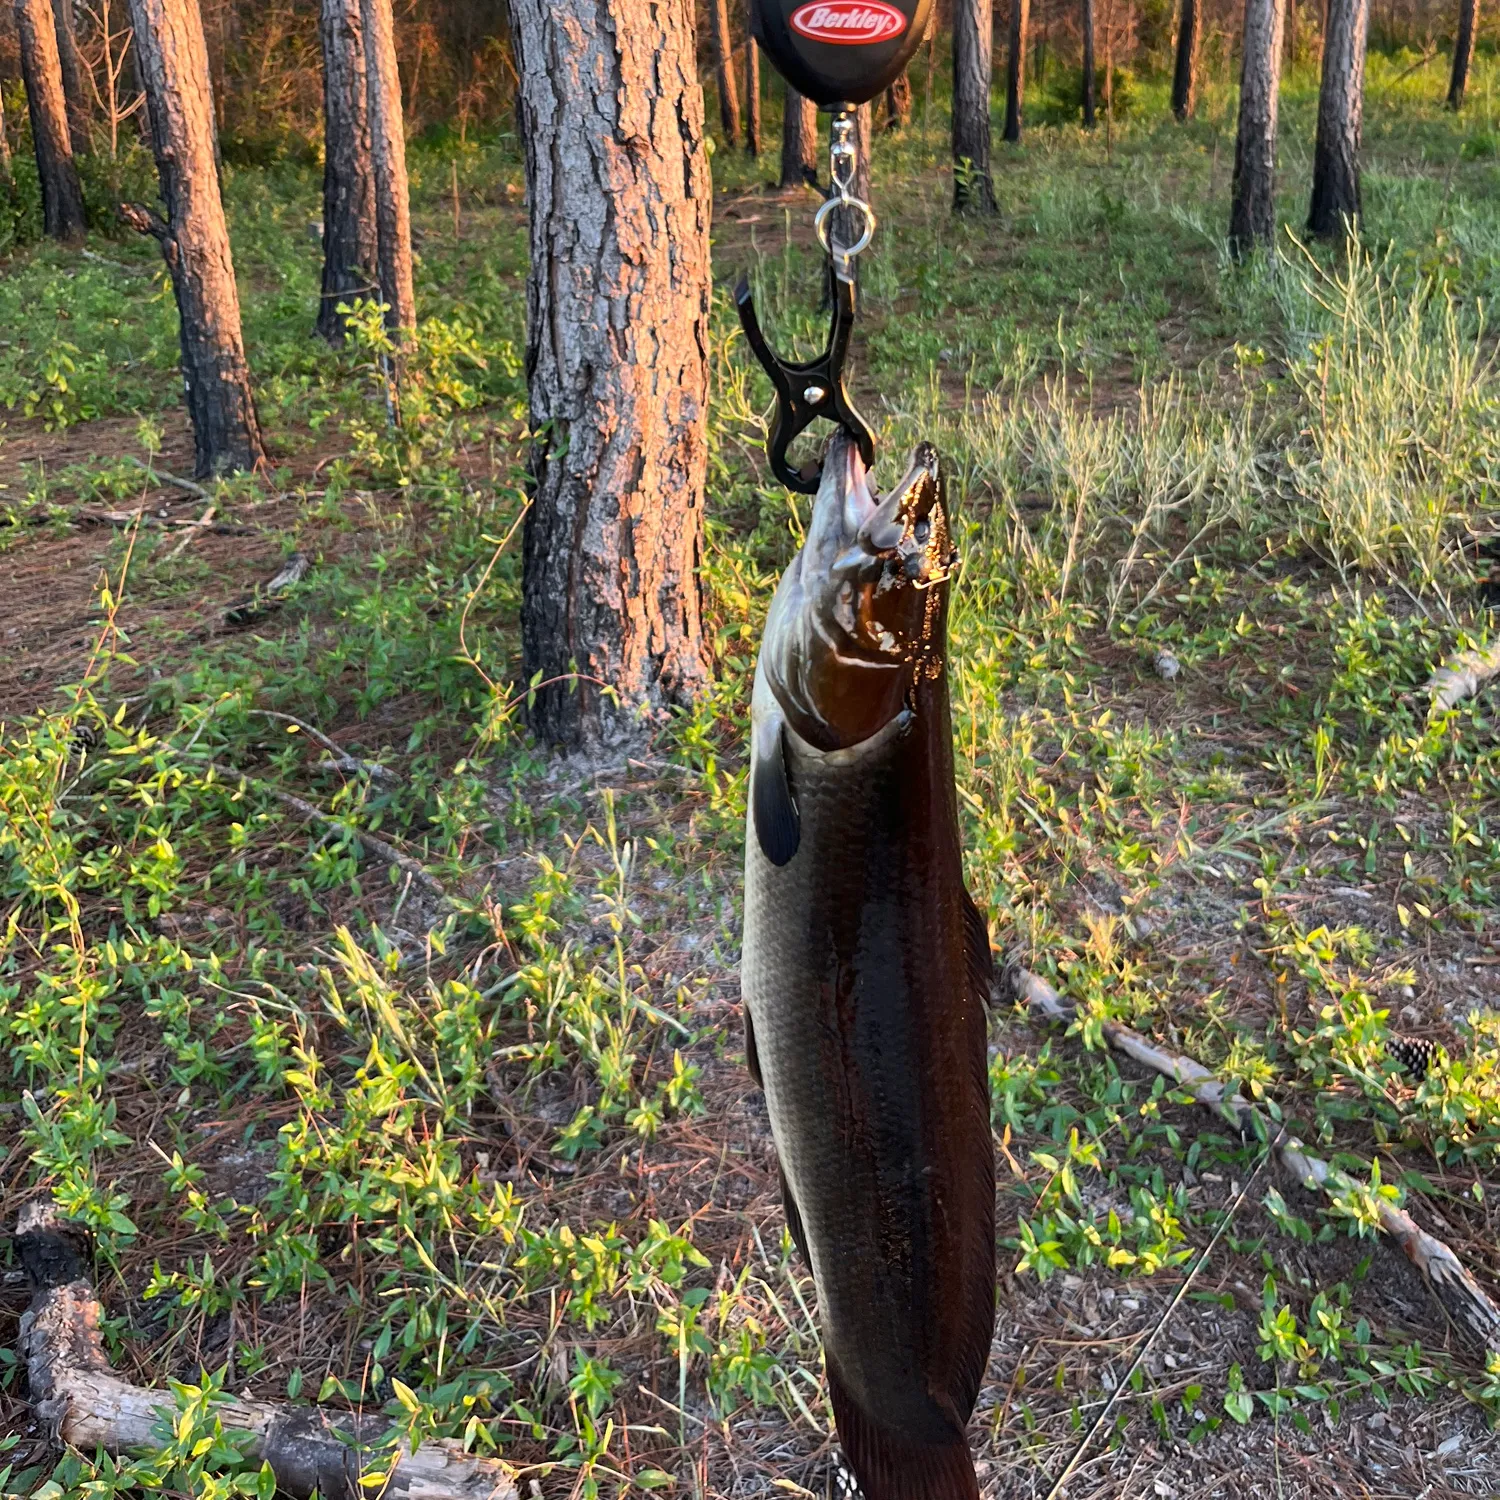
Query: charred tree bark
(62, 193)
(898, 103)
(308, 1449)
(752, 95)
(973, 28)
(1252, 211)
(173, 62)
(1185, 76)
(388, 158)
(1335, 208)
(1015, 67)
(729, 98)
(1463, 52)
(799, 140)
(351, 236)
(617, 359)
(75, 90)
(1086, 25)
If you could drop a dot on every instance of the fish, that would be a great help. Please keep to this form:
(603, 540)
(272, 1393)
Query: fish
(866, 972)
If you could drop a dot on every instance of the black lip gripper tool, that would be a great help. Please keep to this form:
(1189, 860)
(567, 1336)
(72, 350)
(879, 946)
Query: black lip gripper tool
(809, 389)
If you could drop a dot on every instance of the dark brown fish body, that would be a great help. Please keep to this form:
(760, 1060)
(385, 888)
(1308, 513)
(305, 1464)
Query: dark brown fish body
(865, 976)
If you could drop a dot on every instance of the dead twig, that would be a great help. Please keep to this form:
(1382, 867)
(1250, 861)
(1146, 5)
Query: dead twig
(187, 486)
(1463, 1300)
(77, 1393)
(265, 599)
(338, 759)
(1463, 677)
(386, 853)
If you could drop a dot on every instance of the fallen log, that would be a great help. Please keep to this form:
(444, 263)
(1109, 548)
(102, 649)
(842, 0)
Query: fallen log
(1463, 1300)
(76, 1392)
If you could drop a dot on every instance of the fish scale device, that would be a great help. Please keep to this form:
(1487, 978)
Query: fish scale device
(866, 967)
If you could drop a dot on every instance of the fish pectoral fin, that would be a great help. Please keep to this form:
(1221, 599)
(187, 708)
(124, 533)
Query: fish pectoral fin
(793, 1218)
(894, 1466)
(778, 829)
(752, 1057)
(979, 959)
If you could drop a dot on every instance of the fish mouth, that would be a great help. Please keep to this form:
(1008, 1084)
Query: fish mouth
(860, 610)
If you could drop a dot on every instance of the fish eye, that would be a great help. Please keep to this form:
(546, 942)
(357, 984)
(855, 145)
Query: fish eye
(922, 530)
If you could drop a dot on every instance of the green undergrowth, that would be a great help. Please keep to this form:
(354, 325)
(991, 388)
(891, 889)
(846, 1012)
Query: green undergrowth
(423, 1091)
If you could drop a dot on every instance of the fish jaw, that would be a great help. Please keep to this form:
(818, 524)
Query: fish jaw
(860, 610)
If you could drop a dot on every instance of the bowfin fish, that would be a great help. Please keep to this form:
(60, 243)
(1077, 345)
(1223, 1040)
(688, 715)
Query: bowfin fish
(866, 971)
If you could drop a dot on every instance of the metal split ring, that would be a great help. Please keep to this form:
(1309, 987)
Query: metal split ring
(820, 224)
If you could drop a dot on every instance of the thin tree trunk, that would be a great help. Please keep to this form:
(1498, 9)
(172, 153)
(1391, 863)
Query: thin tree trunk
(73, 73)
(1463, 52)
(7, 172)
(173, 61)
(351, 236)
(617, 337)
(752, 95)
(388, 157)
(973, 28)
(1185, 78)
(799, 140)
(1252, 211)
(1015, 67)
(1086, 23)
(1335, 195)
(729, 98)
(898, 102)
(62, 193)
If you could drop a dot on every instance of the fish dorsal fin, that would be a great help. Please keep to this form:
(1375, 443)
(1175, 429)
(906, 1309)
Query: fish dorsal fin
(979, 960)
(778, 829)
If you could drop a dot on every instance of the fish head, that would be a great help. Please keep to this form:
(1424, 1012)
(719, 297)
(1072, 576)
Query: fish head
(862, 610)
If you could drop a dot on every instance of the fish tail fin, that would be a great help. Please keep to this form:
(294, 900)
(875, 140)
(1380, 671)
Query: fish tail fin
(889, 1466)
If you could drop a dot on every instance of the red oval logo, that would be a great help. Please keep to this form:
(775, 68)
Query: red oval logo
(848, 23)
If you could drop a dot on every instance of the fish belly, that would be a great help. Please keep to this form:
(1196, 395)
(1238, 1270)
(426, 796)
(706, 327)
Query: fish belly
(872, 1051)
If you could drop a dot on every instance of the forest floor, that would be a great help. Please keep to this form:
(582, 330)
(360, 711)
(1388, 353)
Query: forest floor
(490, 1158)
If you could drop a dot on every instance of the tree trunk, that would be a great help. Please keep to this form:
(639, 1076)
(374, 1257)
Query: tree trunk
(351, 236)
(7, 172)
(1252, 211)
(729, 99)
(388, 157)
(62, 193)
(173, 62)
(898, 103)
(75, 90)
(799, 140)
(1185, 78)
(1335, 195)
(1015, 67)
(973, 27)
(752, 95)
(620, 198)
(1086, 26)
(1463, 52)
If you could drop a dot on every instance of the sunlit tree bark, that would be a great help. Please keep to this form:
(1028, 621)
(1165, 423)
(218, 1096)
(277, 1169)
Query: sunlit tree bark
(973, 26)
(194, 236)
(619, 195)
(1252, 211)
(62, 193)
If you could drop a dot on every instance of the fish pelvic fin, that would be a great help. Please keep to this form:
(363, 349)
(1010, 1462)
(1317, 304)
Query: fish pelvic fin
(978, 956)
(890, 1466)
(793, 1218)
(778, 829)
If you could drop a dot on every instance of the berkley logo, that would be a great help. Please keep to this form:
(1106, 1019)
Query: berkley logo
(848, 23)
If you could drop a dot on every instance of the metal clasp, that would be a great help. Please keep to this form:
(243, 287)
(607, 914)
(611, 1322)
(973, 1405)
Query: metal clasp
(814, 388)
